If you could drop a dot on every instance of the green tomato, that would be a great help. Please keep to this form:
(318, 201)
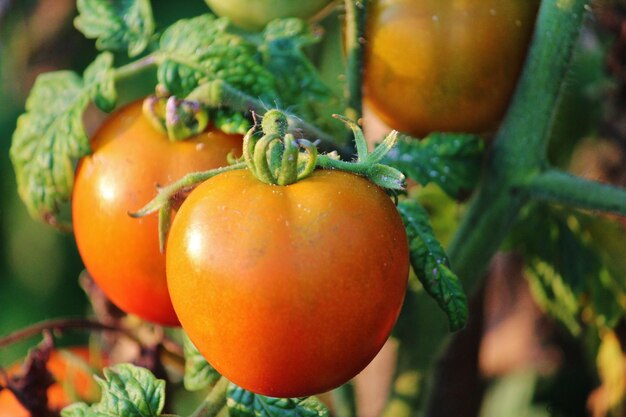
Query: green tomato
(255, 14)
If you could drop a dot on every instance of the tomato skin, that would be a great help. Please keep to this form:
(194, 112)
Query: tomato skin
(72, 380)
(288, 291)
(445, 65)
(255, 14)
(130, 158)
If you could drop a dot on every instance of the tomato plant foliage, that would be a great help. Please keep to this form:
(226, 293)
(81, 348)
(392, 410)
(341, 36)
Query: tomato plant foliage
(191, 53)
(432, 266)
(116, 25)
(127, 391)
(450, 160)
(287, 265)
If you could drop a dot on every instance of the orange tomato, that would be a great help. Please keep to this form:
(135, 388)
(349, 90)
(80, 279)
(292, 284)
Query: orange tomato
(445, 65)
(74, 381)
(290, 290)
(130, 158)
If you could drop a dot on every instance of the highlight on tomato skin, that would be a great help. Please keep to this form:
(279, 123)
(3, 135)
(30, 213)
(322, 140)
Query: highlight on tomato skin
(130, 158)
(445, 66)
(74, 381)
(288, 291)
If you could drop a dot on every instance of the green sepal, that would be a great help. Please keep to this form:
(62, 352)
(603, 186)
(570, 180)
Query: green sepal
(386, 177)
(117, 25)
(242, 403)
(432, 266)
(451, 160)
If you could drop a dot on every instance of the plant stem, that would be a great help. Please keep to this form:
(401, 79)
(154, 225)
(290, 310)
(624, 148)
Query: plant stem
(215, 401)
(356, 13)
(219, 93)
(517, 157)
(344, 404)
(560, 187)
(167, 193)
(519, 151)
(60, 325)
(131, 69)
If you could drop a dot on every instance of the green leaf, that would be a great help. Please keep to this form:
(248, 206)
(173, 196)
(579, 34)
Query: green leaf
(242, 403)
(199, 374)
(451, 160)
(100, 77)
(130, 391)
(569, 268)
(117, 25)
(77, 410)
(201, 49)
(431, 264)
(299, 83)
(554, 294)
(47, 140)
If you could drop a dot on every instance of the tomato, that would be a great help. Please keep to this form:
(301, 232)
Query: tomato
(289, 290)
(130, 158)
(74, 381)
(255, 14)
(445, 65)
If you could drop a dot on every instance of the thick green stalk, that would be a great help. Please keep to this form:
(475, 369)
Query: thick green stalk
(356, 11)
(215, 401)
(519, 150)
(563, 188)
(518, 158)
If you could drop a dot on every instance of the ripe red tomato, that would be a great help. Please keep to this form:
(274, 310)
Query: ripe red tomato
(130, 158)
(288, 291)
(441, 65)
(74, 382)
(255, 14)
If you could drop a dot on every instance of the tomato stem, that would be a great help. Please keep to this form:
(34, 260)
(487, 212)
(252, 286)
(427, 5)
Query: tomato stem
(561, 187)
(219, 93)
(215, 401)
(517, 166)
(58, 325)
(356, 13)
(519, 150)
(163, 201)
(131, 69)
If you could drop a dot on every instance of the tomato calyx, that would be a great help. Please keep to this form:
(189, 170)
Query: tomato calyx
(368, 164)
(275, 157)
(176, 118)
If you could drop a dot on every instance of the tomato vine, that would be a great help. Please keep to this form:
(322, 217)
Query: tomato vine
(212, 75)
